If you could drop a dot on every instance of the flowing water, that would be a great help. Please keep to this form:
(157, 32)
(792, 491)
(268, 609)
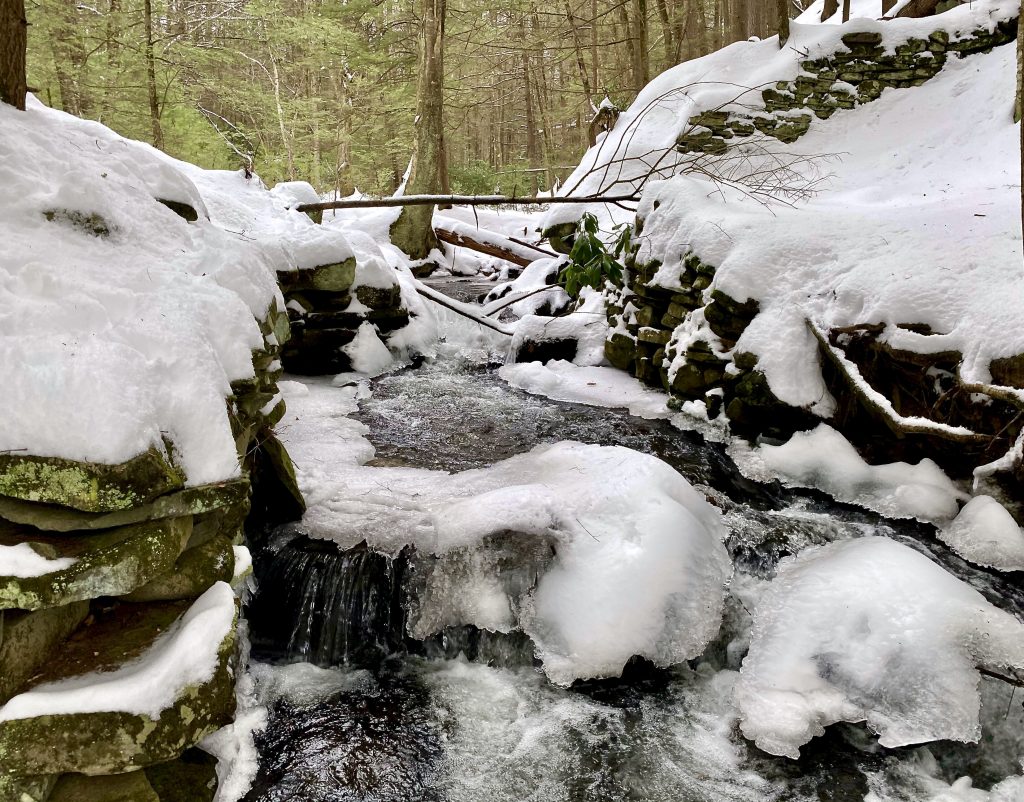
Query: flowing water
(360, 710)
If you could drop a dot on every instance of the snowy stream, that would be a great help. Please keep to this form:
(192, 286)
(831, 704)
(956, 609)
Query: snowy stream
(361, 711)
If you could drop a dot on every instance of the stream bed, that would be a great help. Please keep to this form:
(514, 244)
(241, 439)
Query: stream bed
(361, 711)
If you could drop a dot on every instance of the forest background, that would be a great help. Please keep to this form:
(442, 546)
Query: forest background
(325, 90)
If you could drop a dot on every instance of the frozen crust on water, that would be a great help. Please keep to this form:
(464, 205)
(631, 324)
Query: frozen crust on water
(986, 534)
(870, 630)
(825, 460)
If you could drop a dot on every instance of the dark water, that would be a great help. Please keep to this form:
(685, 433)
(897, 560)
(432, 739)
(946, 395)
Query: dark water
(427, 726)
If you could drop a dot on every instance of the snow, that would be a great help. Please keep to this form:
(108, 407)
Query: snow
(185, 655)
(619, 521)
(825, 460)
(591, 385)
(243, 563)
(171, 304)
(868, 9)
(986, 534)
(870, 630)
(931, 240)
(23, 561)
(369, 355)
(587, 325)
(530, 285)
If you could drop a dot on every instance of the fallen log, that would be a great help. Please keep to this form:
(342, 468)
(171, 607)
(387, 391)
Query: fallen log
(463, 200)
(486, 242)
(466, 310)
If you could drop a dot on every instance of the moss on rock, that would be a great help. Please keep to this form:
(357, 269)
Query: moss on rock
(109, 563)
(27, 639)
(193, 573)
(334, 277)
(116, 742)
(131, 787)
(89, 486)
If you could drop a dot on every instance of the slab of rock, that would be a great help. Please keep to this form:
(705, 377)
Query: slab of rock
(131, 787)
(129, 640)
(107, 563)
(89, 486)
(190, 501)
(27, 639)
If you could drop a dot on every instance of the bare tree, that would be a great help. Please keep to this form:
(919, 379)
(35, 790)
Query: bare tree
(13, 41)
(783, 15)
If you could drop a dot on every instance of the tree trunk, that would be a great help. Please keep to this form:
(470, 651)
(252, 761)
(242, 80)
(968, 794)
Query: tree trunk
(830, 9)
(643, 62)
(13, 42)
(783, 21)
(412, 231)
(846, 10)
(154, 102)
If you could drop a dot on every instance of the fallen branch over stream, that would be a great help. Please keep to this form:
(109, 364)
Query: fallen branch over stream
(463, 200)
(491, 244)
(459, 308)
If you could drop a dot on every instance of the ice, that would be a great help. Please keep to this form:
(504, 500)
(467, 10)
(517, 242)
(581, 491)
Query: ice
(370, 356)
(591, 385)
(640, 566)
(23, 561)
(825, 460)
(986, 534)
(185, 655)
(587, 325)
(870, 630)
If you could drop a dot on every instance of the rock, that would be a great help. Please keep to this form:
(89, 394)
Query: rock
(26, 789)
(334, 277)
(380, 298)
(1008, 371)
(190, 778)
(27, 639)
(109, 563)
(193, 573)
(117, 742)
(190, 501)
(185, 211)
(543, 350)
(620, 350)
(89, 486)
(130, 787)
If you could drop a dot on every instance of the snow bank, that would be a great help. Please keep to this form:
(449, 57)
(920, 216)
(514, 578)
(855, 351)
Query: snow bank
(986, 534)
(825, 460)
(184, 655)
(870, 630)
(932, 240)
(123, 322)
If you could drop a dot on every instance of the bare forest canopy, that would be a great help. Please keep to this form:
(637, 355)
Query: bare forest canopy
(325, 91)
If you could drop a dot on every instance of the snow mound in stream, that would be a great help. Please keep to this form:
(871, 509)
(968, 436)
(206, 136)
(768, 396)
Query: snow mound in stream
(986, 534)
(639, 567)
(870, 630)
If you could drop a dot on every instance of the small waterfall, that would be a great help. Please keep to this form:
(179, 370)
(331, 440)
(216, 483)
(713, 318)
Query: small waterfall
(319, 603)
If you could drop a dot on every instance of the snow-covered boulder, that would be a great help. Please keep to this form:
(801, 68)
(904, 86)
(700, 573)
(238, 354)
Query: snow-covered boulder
(986, 534)
(870, 630)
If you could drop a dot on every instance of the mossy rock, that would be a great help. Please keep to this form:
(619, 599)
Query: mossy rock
(108, 563)
(89, 486)
(620, 350)
(193, 573)
(26, 789)
(131, 787)
(379, 298)
(334, 277)
(190, 778)
(93, 223)
(27, 639)
(114, 742)
(190, 501)
(560, 237)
